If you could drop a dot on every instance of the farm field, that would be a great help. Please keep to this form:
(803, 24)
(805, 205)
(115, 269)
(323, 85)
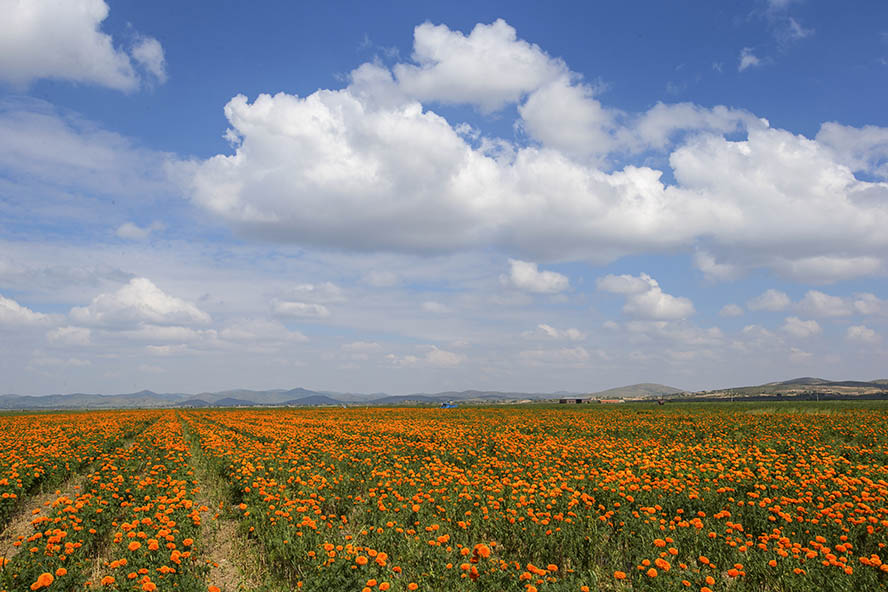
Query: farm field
(532, 498)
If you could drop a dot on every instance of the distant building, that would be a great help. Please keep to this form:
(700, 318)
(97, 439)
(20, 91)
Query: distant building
(610, 401)
(571, 401)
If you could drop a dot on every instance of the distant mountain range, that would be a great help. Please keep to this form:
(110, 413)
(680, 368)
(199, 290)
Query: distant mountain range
(296, 397)
(245, 398)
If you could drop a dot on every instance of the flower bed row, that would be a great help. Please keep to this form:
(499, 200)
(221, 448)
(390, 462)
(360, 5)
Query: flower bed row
(558, 500)
(137, 494)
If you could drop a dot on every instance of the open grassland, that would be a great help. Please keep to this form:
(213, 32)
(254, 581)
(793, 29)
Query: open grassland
(718, 497)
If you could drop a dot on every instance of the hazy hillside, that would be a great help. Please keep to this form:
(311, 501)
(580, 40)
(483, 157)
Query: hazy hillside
(244, 397)
(807, 387)
(806, 380)
(313, 400)
(797, 387)
(644, 389)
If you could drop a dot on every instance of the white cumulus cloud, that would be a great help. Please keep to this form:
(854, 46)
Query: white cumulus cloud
(861, 149)
(61, 39)
(862, 334)
(801, 329)
(657, 126)
(771, 300)
(644, 297)
(544, 331)
(527, 276)
(870, 304)
(148, 52)
(819, 304)
(12, 313)
(139, 301)
(567, 117)
(490, 67)
(715, 270)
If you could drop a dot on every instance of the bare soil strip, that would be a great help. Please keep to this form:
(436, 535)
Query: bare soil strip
(233, 565)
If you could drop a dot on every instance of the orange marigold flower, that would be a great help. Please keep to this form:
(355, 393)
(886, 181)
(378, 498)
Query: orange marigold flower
(662, 564)
(43, 581)
(620, 575)
(651, 573)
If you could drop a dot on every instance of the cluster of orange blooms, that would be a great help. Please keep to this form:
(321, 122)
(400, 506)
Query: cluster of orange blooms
(475, 499)
(41, 451)
(133, 495)
(562, 499)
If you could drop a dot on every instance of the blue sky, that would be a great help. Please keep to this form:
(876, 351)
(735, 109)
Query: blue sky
(431, 197)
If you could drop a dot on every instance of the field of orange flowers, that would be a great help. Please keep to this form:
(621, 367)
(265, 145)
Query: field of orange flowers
(470, 499)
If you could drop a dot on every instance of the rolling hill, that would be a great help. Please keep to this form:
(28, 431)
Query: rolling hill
(635, 391)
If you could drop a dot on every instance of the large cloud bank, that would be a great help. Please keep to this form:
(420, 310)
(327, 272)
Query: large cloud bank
(373, 166)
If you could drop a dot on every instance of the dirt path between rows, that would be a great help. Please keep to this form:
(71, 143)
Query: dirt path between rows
(233, 567)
